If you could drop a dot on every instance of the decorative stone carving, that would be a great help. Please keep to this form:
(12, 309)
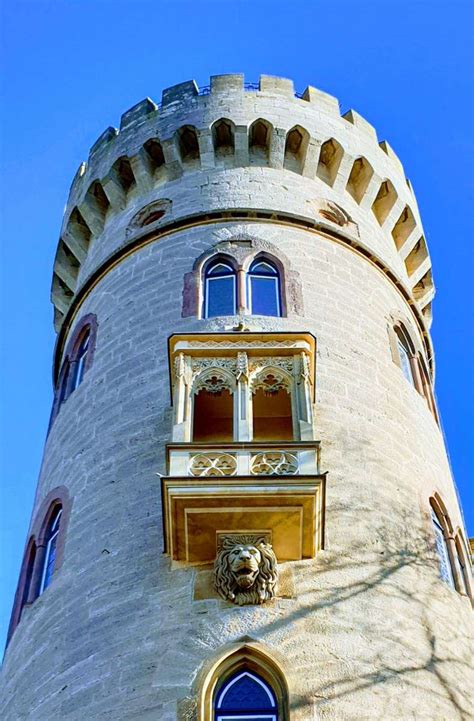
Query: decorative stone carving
(213, 464)
(242, 366)
(271, 383)
(148, 215)
(305, 372)
(245, 570)
(200, 364)
(274, 463)
(212, 383)
(241, 343)
(214, 374)
(275, 361)
(334, 213)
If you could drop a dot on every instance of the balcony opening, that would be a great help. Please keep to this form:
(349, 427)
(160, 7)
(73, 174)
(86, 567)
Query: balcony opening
(213, 416)
(272, 419)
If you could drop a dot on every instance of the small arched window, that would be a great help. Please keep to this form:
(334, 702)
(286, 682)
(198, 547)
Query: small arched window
(263, 289)
(80, 361)
(445, 569)
(245, 695)
(50, 554)
(220, 293)
(404, 354)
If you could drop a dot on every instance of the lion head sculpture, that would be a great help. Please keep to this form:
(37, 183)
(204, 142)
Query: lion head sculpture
(245, 570)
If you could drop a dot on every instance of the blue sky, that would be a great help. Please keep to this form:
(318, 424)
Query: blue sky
(71, 67)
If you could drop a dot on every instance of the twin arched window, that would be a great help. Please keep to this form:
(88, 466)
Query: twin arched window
(450, 550)
(224, 294)
(412, 364)
(245, 696)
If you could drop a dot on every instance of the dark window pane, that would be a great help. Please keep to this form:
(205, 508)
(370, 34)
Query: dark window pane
(220, 296)
(246, 693)
(264, 294)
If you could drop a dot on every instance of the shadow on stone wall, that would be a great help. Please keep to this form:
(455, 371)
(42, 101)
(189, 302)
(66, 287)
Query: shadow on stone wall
(417, 640)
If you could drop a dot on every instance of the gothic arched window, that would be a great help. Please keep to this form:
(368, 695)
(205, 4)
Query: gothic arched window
(50, 554)
(220, 293)
(263, 289)
(245, 696)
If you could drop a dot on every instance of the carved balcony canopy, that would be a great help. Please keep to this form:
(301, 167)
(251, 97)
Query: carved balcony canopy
(287, 510)
(242, 386)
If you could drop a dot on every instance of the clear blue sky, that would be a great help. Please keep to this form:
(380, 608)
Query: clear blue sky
(71, 67)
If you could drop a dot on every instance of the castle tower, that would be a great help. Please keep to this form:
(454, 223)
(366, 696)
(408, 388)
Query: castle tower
(245, 509)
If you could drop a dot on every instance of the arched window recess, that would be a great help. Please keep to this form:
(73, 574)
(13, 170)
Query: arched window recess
(405, 351)
(274, 405)
(453, 562)
(263, 288)
(228, 289)
(77, 360)
(220, 289)
(80, 360)
(441, 542)
(247, 683)
(44, 551)
(51, 540)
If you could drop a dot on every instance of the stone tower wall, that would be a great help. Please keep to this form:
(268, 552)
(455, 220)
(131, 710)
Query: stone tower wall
(369, 631)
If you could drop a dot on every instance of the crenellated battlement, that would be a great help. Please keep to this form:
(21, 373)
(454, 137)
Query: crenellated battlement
(232, 125)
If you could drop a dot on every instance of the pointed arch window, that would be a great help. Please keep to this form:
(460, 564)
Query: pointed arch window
(404, 353)
(445, 569)
(51, 544)
(80, 361)
(245, 696)
(263, 289)
(220, 294)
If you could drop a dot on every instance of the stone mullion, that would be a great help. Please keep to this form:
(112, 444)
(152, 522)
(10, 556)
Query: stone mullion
(242, 429)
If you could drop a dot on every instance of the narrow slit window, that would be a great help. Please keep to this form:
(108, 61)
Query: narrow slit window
(81, 361)
(220, 290)
(264, 289)
(445, 570)
(50, 556)
(404, 355)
